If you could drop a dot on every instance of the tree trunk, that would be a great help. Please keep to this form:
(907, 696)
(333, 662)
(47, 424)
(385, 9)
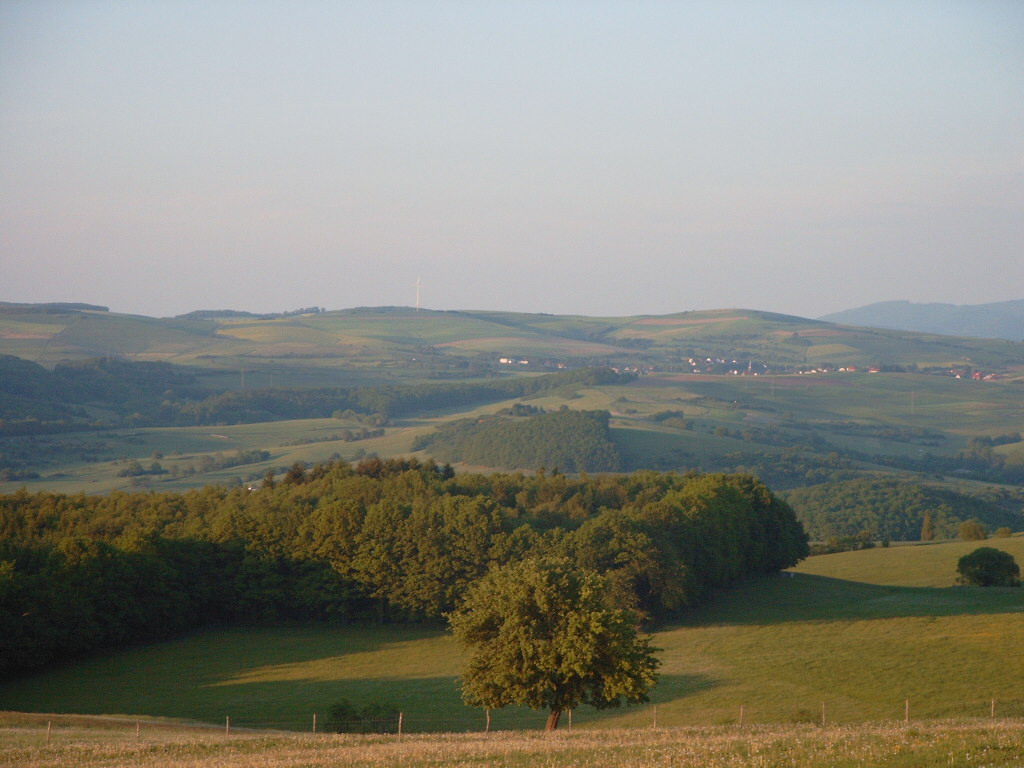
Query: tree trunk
(552, 723)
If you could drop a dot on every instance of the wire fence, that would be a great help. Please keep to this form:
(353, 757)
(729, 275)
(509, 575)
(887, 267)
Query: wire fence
(509, 720)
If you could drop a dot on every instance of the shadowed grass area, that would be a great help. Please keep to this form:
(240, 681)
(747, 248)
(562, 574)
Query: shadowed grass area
(264, 676)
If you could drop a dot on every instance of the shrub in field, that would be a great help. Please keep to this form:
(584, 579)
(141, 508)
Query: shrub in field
(804, 715)
(973, 530)
(375, 717)
(988, 567)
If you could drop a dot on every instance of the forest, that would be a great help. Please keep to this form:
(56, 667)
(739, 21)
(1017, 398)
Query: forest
(893, 509)
(569, 440)
(385, 541)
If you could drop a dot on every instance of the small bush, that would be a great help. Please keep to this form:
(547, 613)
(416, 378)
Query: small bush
(375, 717)
(973, 530)
(805, 716)
(1004, 532)
(988, 567)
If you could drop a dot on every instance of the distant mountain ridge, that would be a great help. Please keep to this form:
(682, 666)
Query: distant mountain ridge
(1000, 320)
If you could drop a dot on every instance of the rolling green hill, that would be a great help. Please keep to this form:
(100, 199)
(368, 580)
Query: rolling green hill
(398, 334)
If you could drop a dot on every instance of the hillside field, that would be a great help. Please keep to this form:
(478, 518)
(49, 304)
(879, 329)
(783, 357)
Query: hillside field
(916, 565)
(773, 650)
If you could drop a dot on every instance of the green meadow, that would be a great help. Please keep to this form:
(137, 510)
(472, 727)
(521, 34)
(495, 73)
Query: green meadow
(781, 649)
(920, 564)
(307, 440)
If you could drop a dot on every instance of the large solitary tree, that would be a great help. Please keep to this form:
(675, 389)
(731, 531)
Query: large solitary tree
(544, 635)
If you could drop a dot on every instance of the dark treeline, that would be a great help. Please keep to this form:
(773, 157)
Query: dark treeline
(893, 509)
(573, 441)
(383, 540)
(37, 401)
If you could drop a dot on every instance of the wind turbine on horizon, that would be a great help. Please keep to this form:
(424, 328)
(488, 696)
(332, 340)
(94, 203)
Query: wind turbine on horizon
(418, 294)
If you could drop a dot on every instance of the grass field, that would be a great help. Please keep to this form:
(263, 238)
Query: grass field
(993, 744)
(308, 440)
(773, 650)
(914, 565)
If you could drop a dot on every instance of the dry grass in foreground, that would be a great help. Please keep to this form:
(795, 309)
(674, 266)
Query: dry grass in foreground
(989, 743)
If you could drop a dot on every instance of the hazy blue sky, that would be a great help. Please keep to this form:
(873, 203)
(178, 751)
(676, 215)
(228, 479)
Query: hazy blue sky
(567, 157)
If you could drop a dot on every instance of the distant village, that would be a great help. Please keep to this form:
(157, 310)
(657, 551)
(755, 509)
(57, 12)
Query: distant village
(718, 366)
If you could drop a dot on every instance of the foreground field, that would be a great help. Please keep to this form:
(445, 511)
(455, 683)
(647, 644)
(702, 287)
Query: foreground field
(773, 650)
(990, 743)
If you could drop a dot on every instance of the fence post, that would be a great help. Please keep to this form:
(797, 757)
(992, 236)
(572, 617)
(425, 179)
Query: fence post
(741, 715)
(401, 716)
(138, 730)
(487, 727)
(314, 722)
(906, 711)
(49, 726)
(823, 720)
(570, 719)
(993, 708)
(227, 724)
(655, 715)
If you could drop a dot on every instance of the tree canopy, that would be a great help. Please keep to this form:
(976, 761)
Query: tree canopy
(395, 540)
(545, 636)
(571, 440)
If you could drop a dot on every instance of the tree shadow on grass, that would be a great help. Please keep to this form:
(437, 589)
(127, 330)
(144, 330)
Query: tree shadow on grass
(789, 597)
(180, 676)
(427, 704)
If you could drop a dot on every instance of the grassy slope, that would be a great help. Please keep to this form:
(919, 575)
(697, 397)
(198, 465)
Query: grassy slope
(184, 446)
(916, 565)
(308, 440)
(778, 647)
(394, 333)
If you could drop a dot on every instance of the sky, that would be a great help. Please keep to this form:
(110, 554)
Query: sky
(595, 158)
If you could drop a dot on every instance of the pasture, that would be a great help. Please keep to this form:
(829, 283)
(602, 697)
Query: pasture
(924, 564)
(773, 650)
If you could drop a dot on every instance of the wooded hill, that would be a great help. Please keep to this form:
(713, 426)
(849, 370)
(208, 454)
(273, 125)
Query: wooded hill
(999, 320)
(386, 541)
(573, 441)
